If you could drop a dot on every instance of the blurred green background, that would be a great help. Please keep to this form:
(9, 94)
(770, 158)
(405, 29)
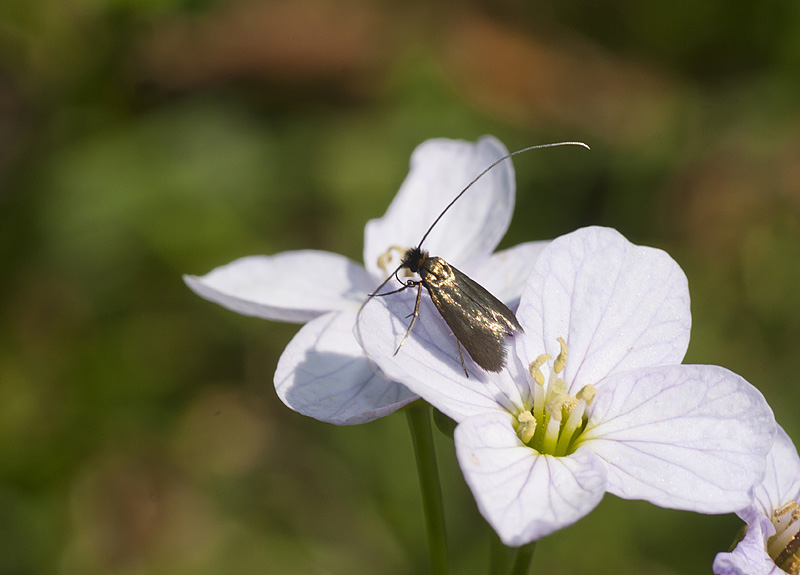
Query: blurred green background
(144, 139)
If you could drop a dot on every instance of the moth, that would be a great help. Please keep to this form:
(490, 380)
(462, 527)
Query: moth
(479, 321)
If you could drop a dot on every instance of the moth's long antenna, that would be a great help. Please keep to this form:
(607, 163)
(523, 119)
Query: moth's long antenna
(479, 176)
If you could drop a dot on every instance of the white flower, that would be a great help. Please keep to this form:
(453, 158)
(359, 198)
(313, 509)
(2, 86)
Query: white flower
(773, 520)
(541, 442)
(323, 373)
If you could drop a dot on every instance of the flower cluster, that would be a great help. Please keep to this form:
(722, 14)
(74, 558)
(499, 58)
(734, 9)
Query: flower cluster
(594, 397)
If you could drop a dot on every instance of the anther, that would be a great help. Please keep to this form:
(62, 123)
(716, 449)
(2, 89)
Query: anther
(534, 370)
(527, 426)
(386, 257)
(554, 406)
(587, 393)
(561, 360)
(570, 404)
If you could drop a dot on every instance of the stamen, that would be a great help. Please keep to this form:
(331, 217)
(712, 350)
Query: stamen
(569, 405)
(587, 393)
(554, 407)
(789, 559)
(561, 360)
(534, 370)
(527, 426)
(782, 518)
(556, 418)
(784, 546)
(574, 421)
(538, 402)
(386, 257)
(538, 390)
(553, 418)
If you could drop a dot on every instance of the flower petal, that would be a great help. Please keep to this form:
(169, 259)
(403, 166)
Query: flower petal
(687, 437)
(505, 272)
(428, 362)
(469, 231)
(291, 286)
(782, 482)
(618, 306)
(324, 374)
(750, 556)
(522, 494)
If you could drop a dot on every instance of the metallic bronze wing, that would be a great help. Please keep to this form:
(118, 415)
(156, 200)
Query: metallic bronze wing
(480, 321)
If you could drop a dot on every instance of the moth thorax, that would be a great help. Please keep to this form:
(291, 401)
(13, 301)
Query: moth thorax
(414, 259)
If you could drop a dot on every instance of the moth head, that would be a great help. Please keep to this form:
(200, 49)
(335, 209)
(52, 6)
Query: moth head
(414, 258)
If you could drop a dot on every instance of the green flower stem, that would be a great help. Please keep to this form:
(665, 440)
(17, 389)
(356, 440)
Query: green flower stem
(419, 423)
(498, 555)
(522, 561)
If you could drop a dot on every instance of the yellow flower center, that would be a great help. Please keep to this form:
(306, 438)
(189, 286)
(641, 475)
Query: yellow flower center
(553, 423)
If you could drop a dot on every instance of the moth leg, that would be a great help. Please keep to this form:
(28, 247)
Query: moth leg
(398, 290)
(461, 355)
(415, 314)
(407, 284)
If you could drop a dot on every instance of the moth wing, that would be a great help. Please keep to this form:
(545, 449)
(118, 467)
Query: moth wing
(479, 320)
(496, 310)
